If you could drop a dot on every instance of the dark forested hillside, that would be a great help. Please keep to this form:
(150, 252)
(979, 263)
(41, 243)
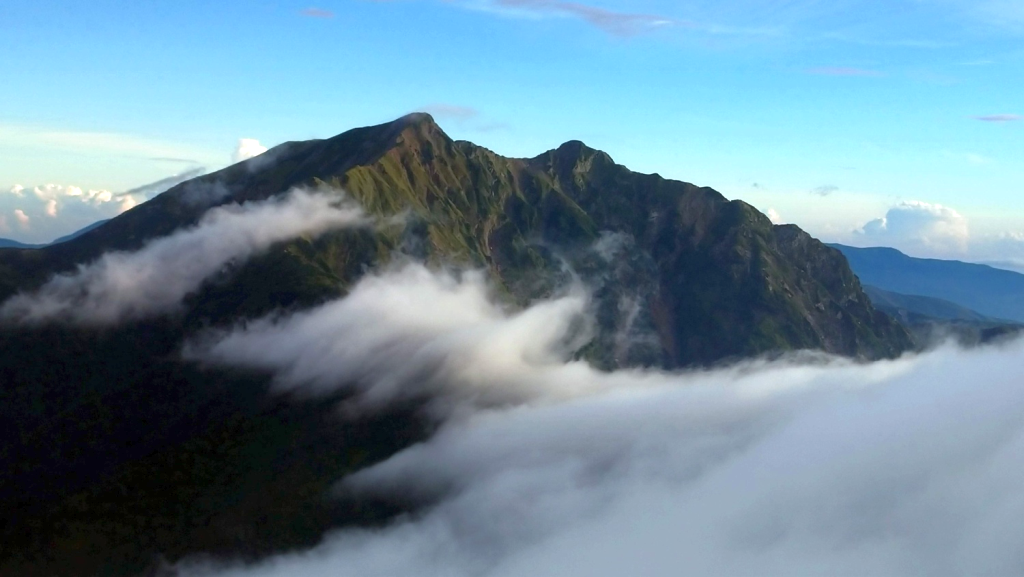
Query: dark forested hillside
(120, 453)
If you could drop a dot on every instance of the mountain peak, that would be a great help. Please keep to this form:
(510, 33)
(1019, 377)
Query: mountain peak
(573, 155)
(419, 122)
(386, 134)
(411, 129)
(575, 148)
(416, 119)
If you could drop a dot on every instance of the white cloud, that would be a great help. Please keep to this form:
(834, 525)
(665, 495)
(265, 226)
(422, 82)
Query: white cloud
(55, 193)
(70, 208)
(774, 216)
(920, 227)
(98, 143)
(123, 286)
(1002, 250)
(445, 328)
(549, 467)
(23, 219)
(248, 148)
(128, 202)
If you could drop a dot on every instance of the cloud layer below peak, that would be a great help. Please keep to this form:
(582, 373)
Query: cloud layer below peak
(542, 466)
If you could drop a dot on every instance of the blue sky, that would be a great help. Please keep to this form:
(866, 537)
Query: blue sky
(862, 121)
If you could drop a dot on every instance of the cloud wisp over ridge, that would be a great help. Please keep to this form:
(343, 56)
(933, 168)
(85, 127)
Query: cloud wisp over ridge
(800, 466)
(122, 286)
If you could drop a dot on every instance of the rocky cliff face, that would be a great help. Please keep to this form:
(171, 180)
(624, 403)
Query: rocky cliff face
(680, 275)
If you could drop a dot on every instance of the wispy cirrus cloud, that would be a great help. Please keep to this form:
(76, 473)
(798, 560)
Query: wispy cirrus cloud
(883, 42)
(316, 13)
(48, 140)
(612, 22)
(466, 117)
(173, 160)
(1007, 14)
(152, 189)
(999, 118)
(843, 71)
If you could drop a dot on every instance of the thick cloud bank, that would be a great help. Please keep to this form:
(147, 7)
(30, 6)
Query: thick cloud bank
(122, 286)
(920, 227)
(805, 466)
(413, 333)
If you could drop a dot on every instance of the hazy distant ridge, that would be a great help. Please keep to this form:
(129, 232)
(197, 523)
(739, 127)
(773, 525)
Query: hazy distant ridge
(990, 291)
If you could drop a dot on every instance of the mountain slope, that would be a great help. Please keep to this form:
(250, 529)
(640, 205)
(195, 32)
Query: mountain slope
(933, 320)
(930, 307)
(990, 291)
(9, 243)
(100, 418)
(712, 279)
(79, 232)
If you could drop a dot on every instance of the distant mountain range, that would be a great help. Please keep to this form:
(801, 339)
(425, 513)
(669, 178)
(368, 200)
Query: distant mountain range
(904, 306)
(991, 292)
(8, 243)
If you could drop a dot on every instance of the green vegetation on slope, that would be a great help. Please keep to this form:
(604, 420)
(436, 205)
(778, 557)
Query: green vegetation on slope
(122, 452)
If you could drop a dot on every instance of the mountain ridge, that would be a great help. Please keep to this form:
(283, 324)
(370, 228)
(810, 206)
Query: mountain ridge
(777, 288)
(678, 275)
(990, 291)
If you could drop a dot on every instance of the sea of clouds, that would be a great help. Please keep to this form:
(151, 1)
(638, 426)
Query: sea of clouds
(809, 465)
(543, 465)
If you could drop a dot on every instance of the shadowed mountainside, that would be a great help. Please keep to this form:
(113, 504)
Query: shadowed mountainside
(121, 454)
